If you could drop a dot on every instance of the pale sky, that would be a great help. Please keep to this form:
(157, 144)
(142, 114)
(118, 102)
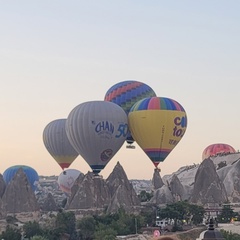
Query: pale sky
(57, 54)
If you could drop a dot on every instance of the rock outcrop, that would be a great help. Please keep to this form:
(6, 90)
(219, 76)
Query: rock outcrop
(19, 196)
(2, 185)
(121, 191)
(231, 181)
(177, 189)
(93, 192)
(49, 204)
(208, 187)
(157, 180)
(2, 210)
(162, 195)
(88, 192)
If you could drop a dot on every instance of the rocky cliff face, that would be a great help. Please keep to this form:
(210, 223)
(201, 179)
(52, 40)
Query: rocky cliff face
(208, 188)
(19, 196)
(230, 177)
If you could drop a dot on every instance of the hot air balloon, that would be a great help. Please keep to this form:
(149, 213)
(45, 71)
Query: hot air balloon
(67, 178)
(56, 142)
(217, 148)
(126, 94)
(31, 174)
(97, 130)
(157, 125)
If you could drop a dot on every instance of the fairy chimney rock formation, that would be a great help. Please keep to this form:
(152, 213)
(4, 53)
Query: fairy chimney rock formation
(19, 196)
(208, 188)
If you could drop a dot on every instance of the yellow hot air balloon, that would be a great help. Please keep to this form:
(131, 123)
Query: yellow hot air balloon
(157, 124)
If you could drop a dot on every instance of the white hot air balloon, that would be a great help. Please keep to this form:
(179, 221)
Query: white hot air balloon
(67, 178)
(56, 142)
(97, 130)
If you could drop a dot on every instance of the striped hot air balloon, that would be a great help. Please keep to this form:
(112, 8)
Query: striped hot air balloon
(57, 143)
(157, 125)
(126, 94)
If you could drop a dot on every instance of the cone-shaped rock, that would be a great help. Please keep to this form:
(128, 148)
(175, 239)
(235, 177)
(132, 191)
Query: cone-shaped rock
(19, 196)
(162, 195)
(157, 180)
(2, 185)
(49, 204)
(2, 210)
(121, 190)
(208, 187)
(177, 189)
(88, 192)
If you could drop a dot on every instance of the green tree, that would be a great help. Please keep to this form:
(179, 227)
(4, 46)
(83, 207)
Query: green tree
(38, 238)
(226, 214)
(197, 213)
(66, 223)
(183, 211)
(11, 234)
(148, 216)
(104, 232)
(52, 234)
(124, 223)
(86, 227)
(145, 196)
(32, 228)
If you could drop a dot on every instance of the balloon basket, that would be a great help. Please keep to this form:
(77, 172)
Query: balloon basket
(96, 175)
(130, 147)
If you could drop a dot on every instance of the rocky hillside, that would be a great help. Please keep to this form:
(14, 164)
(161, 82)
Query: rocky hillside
(215, 180)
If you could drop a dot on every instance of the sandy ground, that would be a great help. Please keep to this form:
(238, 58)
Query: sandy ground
(233, 227)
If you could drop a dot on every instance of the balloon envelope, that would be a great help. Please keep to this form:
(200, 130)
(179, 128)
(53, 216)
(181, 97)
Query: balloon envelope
(31, 174)
(67, 178)
(97, 130)
(157, 125)
(217, 148)
(126, 94)
(56, 142)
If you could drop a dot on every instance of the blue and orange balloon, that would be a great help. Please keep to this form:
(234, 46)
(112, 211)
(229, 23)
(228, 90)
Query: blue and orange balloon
(126, 94)
(157, 125)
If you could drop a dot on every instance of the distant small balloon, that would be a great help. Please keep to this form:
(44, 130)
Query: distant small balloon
(217, 148)
(67, 179)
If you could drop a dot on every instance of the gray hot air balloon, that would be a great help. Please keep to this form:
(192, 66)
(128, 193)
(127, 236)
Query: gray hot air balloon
(97, 130)
(56, 142)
